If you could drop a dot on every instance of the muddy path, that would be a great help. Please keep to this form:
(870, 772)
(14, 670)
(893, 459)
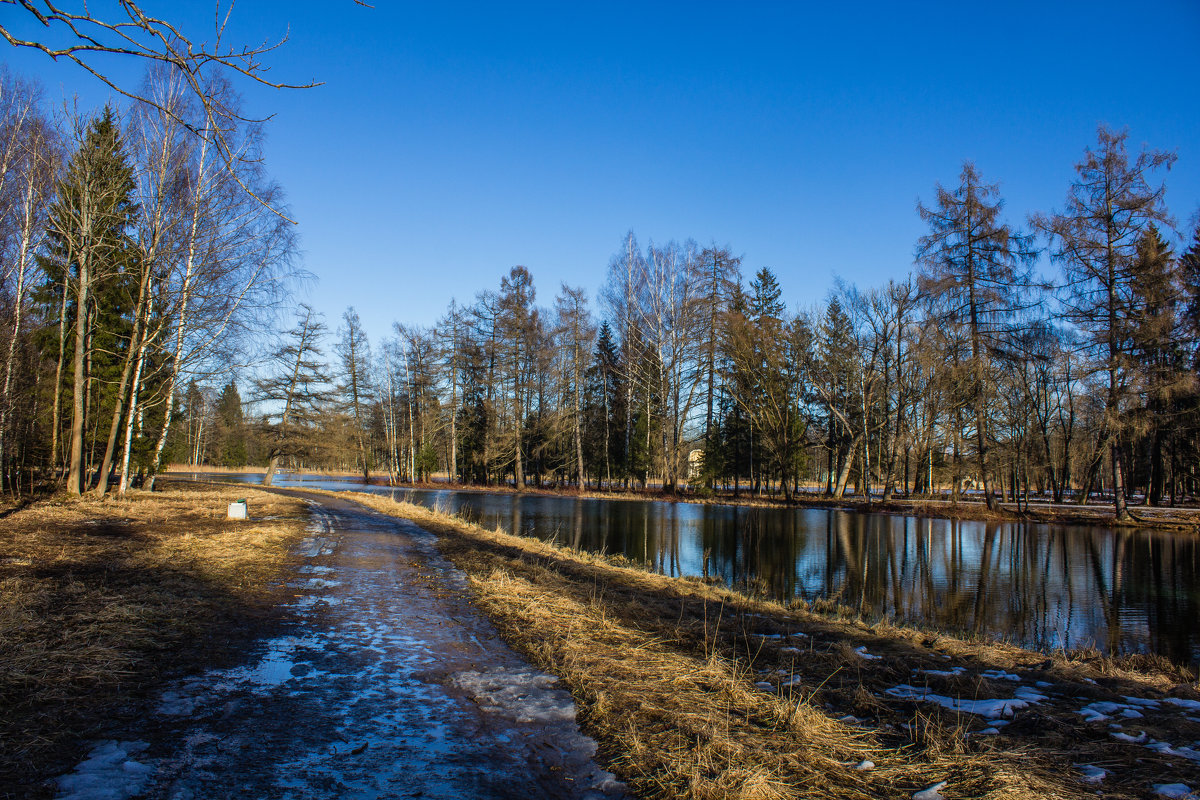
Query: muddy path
(388, 683)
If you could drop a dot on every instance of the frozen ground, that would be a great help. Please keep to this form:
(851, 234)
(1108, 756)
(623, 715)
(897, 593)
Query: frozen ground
(389, 685)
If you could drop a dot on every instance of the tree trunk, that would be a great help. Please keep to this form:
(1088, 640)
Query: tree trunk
(75, 470)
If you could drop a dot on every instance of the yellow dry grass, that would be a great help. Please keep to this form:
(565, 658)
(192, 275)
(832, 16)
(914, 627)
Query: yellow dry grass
(101, 599)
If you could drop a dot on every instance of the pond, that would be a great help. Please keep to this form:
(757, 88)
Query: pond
(1037, 585)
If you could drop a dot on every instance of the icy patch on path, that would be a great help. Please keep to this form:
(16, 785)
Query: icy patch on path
(108, 773)
(393, 686)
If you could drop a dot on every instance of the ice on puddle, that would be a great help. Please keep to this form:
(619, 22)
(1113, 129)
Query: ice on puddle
(1175, 791)
(984, 708)
(1091, 773)
(526, 693)
(932, 792)
(108, 773)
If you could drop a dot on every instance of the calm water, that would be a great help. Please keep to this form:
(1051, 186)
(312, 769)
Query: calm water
(1042, 586)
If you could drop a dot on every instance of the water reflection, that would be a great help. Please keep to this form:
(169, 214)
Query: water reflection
(1042, 586)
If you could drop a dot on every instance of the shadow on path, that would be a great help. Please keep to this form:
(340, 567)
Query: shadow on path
(388, 684)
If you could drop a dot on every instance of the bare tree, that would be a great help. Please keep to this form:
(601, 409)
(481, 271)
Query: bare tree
(1096, 238)
(91, 39)
(27, 168)
(971, 266)
(575, 324)
(354, 353)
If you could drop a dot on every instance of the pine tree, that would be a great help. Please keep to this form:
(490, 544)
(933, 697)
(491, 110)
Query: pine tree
(231, 449)
(89, 248)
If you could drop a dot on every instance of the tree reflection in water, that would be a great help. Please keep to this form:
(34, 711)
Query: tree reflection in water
(1043, 586)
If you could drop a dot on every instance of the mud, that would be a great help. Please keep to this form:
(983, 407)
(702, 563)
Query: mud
(388, 684)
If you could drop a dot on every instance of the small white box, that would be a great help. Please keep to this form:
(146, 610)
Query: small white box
(237, 510)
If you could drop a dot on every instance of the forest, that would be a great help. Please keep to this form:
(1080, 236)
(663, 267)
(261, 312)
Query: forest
(145, 274)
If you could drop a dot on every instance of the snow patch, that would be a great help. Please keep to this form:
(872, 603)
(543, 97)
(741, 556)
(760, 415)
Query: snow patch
(984, 708)
(1100, 711)
(945, 673)
(1175, 791)
(1167, 750)
(1091, 773)
(1191, 705)
(862, 653)
(108, 773)
(527, 694)
(932, 792)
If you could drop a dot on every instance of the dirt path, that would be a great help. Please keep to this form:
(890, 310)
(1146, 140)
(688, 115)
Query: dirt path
(389, 684)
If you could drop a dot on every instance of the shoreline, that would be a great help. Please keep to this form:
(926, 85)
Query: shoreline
(1182, 519)
(754, 684)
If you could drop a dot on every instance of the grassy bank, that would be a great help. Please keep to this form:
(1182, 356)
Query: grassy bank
(101, 600)
(694, 691)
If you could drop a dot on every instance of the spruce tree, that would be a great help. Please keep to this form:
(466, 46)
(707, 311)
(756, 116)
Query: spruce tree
(88, 250)
(232, 451)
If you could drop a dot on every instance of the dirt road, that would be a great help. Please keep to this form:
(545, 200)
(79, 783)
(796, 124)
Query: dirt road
(388, 684)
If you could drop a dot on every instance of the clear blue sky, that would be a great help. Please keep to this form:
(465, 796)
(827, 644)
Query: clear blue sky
(451, 141)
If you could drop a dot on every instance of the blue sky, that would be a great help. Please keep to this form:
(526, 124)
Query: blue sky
(452, 141)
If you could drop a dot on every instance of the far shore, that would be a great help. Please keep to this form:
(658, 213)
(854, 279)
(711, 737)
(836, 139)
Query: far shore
(1185, 518)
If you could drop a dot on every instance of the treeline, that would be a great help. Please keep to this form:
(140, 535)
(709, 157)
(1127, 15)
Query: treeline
(969, 375)
(137, 255)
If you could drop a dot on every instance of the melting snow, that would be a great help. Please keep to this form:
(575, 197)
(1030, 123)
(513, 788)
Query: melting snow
(1175, 791)
(1125, 737)
(931, 793)
(862, 653)
(523, 691)
(945, 673)
(1167, 750)
(1191, 705)
(1000, 675)
(1099, 711)
(864, 766)
(985, 708)
(108, 773)
(1091, 773)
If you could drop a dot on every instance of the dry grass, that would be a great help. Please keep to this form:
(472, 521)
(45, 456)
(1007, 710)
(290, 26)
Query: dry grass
(100, 600)
(665, 671)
